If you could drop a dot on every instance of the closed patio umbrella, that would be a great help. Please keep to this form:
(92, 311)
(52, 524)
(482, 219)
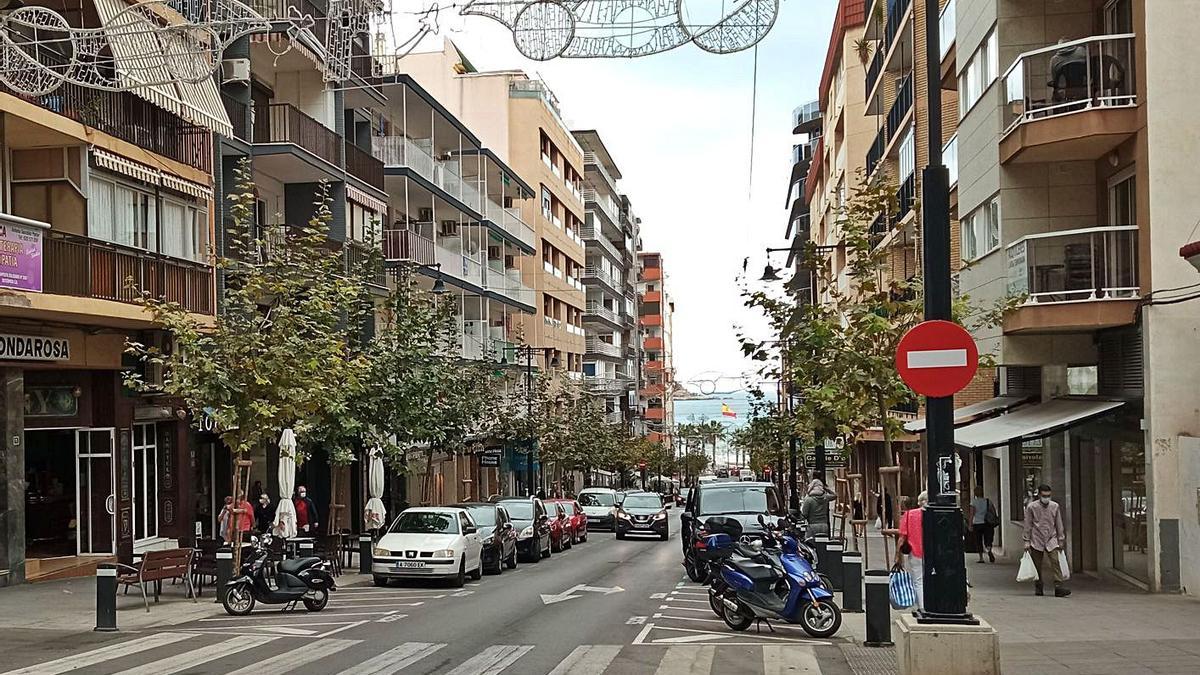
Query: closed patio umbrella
(375, 513)
(285, 513)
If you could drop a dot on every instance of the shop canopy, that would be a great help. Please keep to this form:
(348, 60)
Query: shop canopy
(970, 413)
(1033, 422)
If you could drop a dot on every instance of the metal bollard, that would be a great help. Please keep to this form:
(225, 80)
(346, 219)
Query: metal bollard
(366, 547)
(833, 564)
(879, 609)
(852, 591)
(224, 571)
(106, 598)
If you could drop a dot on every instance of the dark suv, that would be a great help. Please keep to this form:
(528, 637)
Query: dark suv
(742, 501)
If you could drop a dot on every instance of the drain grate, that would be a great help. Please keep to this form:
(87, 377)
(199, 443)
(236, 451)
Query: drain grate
(870, 660)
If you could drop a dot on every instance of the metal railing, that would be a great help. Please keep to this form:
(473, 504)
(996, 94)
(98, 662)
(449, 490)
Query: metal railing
(1095, 72)
(1097, 263)
(364, 166)
(405, 244)
(90, 268)
(595, 345)
(239, 116)
(285, 123)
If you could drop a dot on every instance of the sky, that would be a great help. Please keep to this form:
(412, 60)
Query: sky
(678, 125)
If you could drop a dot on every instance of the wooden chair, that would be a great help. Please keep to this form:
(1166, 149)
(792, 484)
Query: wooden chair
(175, 563)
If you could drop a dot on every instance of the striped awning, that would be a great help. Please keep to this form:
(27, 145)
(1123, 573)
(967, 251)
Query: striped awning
(363, 199)
(150, 175)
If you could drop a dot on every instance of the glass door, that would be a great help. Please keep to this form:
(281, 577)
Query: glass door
(96, 499)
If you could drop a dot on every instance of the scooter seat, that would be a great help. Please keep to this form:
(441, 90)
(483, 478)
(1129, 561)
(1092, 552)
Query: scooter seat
(294, 565)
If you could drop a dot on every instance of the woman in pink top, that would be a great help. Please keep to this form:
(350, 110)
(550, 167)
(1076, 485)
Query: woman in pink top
(912, 537)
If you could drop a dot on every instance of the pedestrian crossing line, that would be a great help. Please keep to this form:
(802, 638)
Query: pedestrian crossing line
(296, 658)
(492, 660)
(782, 659)
(681, 660)
(587, 660)
(195, 657)
(103, 654)
(395, 659)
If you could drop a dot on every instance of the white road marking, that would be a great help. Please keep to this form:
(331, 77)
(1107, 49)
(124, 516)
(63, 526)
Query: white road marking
(686, 660)
(296, 658)
(587, 660)
(395, 659)
(492, 660)
(938, 358)
(195, 657)
(102, 654)
(781, 659)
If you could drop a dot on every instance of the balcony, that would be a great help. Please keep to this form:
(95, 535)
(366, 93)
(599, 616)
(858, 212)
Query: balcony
(239, 116)
(1071, 101)
(405, 244)
(598, 310)
(90, 268)
(1082, 279)
(285, 123)
(363, 166)
(595, 345)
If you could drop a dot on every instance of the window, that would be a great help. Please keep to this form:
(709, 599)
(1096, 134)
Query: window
(908, 158)
(979, 73)
(981, 230)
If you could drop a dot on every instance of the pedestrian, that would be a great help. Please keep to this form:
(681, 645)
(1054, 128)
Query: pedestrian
(264, 514)
(307, 520)
(983, 523)
(815, 509)
(910, 546)
(1044, 538)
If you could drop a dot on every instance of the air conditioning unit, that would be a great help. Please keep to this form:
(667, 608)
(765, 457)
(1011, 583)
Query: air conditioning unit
(448, 228)
(235, 70)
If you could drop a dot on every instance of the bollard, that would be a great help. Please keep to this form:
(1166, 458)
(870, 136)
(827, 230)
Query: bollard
(106, 598)
(879, 609)
(852, 591)
(306, 549)
(365, 550)
(833, 564)
(224, 571)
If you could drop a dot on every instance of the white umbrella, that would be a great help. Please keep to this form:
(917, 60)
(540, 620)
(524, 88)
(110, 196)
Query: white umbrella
(285, 512)
(376, 512)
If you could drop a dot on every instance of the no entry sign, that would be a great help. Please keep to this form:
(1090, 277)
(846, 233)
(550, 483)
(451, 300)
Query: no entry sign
(937, 358)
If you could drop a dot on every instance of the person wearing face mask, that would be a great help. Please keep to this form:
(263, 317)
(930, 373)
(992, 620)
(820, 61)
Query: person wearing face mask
(306, 513)
(1044, 537)
(264, 514)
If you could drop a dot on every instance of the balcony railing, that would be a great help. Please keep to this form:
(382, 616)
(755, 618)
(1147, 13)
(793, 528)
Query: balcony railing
(1098, 263)
(90, 268)
(239, 116)
(405, 244)
(1095, 72)
(362, 165)
(595, 345)
(285, 123)
(596, 309)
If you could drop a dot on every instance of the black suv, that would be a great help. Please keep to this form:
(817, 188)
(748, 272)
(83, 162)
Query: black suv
(742, 501)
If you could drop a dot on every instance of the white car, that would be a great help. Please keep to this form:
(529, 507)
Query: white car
(429, 542)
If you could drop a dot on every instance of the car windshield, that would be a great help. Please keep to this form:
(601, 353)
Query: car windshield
(519, 510)
(484, 516)
(642, 502)
(425, 522)
(736, 499)
(597, 499)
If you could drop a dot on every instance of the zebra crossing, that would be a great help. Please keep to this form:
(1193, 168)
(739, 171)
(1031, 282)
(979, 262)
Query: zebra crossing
(195, 652)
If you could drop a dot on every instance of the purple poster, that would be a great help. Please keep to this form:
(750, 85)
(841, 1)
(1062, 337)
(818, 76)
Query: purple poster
(20, 256)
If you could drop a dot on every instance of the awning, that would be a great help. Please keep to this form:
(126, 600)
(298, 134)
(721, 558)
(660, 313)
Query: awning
(1033, 422)
(970, 413)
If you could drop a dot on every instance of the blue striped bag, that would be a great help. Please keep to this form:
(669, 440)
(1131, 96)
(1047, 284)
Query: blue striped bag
(901, 591)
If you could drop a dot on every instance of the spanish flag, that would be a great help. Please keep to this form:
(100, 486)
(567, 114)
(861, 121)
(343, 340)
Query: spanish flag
(727, 411)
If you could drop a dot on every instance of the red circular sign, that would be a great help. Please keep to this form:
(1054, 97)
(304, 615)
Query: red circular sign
(937, 358)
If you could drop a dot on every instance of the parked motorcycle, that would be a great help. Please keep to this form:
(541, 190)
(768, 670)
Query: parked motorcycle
(306, 580)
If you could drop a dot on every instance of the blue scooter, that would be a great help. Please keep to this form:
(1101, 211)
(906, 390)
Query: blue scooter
(777, 586)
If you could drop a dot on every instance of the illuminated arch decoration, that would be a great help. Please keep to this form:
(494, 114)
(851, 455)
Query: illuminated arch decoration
(548, 29)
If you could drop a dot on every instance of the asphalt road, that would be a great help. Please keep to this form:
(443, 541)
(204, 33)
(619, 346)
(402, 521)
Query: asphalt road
(631, 612)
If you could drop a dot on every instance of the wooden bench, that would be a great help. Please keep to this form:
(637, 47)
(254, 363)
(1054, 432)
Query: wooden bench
(175, 563)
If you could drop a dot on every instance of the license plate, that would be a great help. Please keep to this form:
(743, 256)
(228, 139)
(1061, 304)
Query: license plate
(408, 564)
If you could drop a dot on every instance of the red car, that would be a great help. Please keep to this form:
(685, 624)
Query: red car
(576, 521)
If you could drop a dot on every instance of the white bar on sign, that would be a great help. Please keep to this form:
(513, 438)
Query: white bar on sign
(938, 358)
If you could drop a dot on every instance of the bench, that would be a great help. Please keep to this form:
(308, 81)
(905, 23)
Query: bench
(175, 563)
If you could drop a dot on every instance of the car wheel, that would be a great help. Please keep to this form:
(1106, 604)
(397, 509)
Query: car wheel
(381, 582)
(460, 579)
(512, 560)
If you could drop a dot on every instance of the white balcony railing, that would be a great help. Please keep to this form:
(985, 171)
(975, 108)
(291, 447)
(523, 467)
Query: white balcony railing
(947, 28)
(1096, 263)
(1095, 72)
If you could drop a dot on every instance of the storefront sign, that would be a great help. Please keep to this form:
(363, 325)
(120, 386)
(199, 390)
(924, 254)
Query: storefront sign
(34, 348)
(490, 457)
(20, 256)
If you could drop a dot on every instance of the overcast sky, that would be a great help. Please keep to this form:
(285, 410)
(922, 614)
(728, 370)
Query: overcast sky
(679, 127)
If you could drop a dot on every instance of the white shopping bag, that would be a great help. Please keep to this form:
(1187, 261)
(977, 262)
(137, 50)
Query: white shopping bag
(1063, 565)
(1027, 571)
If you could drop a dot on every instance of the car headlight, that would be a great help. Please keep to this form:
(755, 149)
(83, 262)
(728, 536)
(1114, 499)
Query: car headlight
(660, 515)
(380, 551)
(444, 553)
(527, 532)
(622, 515)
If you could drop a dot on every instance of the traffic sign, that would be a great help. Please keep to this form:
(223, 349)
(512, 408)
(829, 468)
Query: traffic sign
(937, 358)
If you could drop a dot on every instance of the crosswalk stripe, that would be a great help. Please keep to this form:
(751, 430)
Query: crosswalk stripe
(686, 660)
(780, 659)
(293, 659)
(191, 659)
(587, 660)
(395, 659)
(106, 653)
(492, 660)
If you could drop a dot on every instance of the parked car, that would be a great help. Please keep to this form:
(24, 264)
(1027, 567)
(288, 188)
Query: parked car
(642, 513)
(497, 535)
(600, 506)
(576, 518)
(532, 524)
(743, 501)
(560, 536)
(429, 542)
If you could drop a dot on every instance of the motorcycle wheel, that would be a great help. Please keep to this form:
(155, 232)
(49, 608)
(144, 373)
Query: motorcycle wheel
(820, 619)
(739, 619)
(315, 601)
(238, 600)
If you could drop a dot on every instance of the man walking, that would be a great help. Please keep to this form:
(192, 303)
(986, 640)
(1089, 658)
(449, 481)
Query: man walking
(1044, 537)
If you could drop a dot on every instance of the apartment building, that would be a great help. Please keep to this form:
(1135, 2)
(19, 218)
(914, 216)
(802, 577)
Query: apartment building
(656, 397)
(98, 187)
(610, 234)
(1075, 166)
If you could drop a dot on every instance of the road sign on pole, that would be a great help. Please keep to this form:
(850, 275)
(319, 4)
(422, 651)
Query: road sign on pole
(937, 358)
